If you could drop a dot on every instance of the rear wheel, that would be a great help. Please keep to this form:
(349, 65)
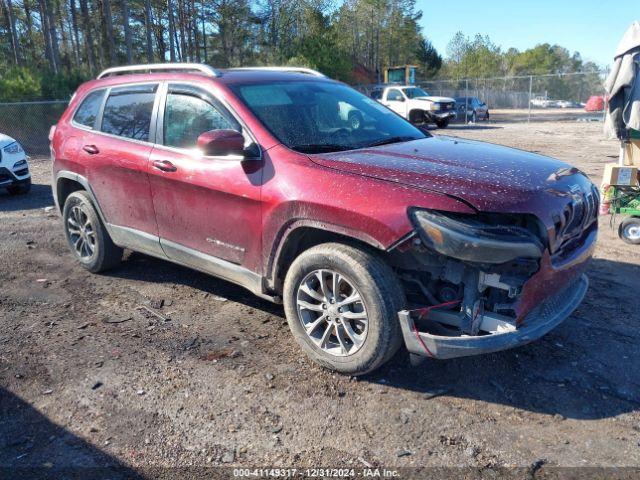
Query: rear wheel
(21, 188)
(341, 304)
(442, 123)
(87, 238)
(629, 230)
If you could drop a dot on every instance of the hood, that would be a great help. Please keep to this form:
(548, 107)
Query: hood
(5, 140)
(435, 99)
(489, 177)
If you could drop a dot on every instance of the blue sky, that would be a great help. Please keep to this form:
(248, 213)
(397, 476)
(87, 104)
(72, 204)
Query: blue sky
(592, 27)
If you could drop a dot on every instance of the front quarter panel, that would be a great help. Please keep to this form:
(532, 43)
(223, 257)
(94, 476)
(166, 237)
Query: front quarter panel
(301, 192)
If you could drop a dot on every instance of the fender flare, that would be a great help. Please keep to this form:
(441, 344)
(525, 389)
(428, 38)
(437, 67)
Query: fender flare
(85, 184)
(288, 229)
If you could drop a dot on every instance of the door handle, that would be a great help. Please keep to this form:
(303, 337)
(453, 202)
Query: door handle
(164, 165)
(91, 149)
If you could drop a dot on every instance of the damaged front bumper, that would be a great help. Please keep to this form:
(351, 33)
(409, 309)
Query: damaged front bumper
(497, 332)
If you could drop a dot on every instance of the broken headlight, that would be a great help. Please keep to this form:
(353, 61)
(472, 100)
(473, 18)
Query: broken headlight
(482, 239)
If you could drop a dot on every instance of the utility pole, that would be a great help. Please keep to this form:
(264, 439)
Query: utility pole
(466, 101)
(530, 93)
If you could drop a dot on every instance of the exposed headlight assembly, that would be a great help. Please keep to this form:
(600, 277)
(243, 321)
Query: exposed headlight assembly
(14, 148)
(470, 238)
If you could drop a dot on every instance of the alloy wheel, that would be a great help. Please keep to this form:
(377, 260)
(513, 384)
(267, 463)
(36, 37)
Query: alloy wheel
(332, 312)
(81, 233)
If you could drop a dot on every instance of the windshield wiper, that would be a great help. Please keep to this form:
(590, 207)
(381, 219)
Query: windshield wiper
(320, 147)
(387, 141)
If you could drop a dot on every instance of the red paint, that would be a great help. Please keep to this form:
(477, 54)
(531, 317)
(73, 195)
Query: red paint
(241, 210)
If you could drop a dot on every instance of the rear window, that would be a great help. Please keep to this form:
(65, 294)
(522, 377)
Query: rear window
(88, 111)
(127, 112)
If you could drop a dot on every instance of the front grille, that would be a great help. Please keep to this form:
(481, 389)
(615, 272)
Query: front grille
(447, 106)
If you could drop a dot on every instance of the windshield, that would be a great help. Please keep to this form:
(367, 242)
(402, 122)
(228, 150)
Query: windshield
(314, 117)
(415, 92)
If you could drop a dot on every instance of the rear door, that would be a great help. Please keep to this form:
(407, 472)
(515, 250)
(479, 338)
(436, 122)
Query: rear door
(203, 204)
(116, 154)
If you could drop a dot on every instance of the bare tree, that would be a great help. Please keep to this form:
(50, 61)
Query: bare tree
(53, 34)
(172, 32)
(88, 37)
(74, 29)
(148, 20)
(108, 23)
(127, 30)
(15, 46)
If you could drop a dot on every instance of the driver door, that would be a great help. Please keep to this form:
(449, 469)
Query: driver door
(395, 101)
(203, 205)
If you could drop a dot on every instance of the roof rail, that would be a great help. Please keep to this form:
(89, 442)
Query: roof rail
(308, 71)
(160, 67)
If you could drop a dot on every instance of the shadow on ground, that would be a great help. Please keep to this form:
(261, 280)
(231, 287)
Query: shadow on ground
(40, 196)
(587, 368)
(31, 446)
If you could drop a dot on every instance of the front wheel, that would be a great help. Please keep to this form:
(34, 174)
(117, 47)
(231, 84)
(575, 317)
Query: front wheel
(442, 123)
(341, 304)
(629, 230)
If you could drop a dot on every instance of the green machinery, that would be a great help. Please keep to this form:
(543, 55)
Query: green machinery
(626, 201)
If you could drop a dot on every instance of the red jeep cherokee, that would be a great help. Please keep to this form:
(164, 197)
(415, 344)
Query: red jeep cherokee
(369, 232)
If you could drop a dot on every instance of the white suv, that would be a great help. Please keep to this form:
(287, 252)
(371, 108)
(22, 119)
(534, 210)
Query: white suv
(14, 167)
(416, 105)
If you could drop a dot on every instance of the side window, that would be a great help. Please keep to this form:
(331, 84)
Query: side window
(127, 112)
(189, 112)
(394, 96)
(87, 113)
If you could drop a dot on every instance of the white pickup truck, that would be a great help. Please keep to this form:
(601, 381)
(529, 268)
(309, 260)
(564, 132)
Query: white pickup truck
(416, 105)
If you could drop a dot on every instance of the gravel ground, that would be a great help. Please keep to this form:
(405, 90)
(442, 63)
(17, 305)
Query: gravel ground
(210, 375)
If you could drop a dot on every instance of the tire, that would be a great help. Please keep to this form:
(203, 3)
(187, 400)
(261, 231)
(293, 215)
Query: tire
(355, 120)
(629, 230)
(382, 297)
(79, 210)
(442, 123)
(21, 188)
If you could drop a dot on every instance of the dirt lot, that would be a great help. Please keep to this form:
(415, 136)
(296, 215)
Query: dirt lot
(88, 377)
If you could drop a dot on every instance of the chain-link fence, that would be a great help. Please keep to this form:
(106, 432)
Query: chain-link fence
(552, 97)
(566, 97)
(29, 123)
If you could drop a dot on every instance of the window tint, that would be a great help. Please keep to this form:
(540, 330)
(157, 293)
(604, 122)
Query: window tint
(127, 112)
(394, 95)
(190, 112)
(376, 94)
(313, 116)
(88, 111)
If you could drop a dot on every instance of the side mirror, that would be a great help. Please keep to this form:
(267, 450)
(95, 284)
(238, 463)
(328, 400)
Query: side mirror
(221, 142)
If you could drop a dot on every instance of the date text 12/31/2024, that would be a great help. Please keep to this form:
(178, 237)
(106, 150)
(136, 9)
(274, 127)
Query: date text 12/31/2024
(315, 473)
